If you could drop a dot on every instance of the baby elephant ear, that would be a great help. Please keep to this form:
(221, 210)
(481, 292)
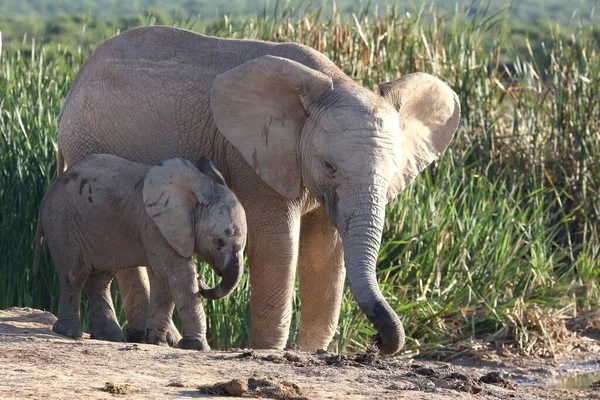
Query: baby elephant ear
(209, 169)
(429, 115)
(171, 192)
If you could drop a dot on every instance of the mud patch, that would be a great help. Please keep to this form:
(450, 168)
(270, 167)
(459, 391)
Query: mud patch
(369, 357)
(412, 375)
(264, 387)
(462, 383)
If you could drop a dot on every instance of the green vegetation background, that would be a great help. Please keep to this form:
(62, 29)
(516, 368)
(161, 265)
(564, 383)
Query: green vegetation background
(63, 21)
(499, 238)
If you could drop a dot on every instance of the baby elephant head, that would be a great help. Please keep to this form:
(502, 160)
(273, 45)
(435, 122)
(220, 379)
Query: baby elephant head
(196, 212)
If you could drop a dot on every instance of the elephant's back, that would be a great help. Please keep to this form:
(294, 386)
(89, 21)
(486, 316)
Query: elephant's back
(207, 56)
(96, 208)
(156, 45)
(101, 183)
(105, 173)
(99, 190)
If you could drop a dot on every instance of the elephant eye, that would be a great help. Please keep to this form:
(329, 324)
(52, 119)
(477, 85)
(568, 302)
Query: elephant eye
(331, 169)
(219, 243)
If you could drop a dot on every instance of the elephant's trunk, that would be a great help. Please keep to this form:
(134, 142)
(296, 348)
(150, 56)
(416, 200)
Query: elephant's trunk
(232, 273)
(361, 226)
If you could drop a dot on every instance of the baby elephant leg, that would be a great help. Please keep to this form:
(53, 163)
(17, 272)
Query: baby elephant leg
(104, 321)
(183, 286)
(69, 323)
(160, 312)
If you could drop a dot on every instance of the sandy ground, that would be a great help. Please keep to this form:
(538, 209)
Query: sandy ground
(36, 363)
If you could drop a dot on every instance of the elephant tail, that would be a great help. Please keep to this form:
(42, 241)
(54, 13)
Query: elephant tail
(60, 161)
(38, 248)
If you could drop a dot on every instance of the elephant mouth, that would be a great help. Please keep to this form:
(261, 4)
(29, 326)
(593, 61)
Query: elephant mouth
(210, 260)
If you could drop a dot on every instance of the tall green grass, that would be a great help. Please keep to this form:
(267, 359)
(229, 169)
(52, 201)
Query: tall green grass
(506, 222)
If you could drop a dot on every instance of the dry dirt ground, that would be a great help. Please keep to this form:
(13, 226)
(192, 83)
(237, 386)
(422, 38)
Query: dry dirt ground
(36, 363)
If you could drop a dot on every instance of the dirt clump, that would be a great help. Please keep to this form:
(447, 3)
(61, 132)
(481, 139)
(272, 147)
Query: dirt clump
(130, 347)
(247, 354)
(367, 358)
(234, 387)
(495, 378)
(287, 358)
(282, 391)
(291, 357)
(256, 387)
(421, 370)
(114, 388)
(178, 384)
(269, 388)
(463, 383)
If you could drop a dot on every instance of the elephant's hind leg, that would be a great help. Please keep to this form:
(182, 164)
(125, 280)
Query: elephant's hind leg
(69, 323)
(161, 310)
(104, 320)
(321, 272)
(135, 292)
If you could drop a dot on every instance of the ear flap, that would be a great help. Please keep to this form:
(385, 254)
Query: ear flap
(429, 115)
(171, 192)
(260, 107)
(207, 167)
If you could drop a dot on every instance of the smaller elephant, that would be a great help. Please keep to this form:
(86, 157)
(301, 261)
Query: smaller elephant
(107, 213)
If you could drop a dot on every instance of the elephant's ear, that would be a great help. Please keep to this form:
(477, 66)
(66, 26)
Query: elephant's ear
(260, 108)
(429, 115)
(209, 169)
(172, 190)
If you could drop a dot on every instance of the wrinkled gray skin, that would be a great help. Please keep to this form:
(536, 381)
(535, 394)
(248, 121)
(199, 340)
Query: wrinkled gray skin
(312, 156)
(107, 213)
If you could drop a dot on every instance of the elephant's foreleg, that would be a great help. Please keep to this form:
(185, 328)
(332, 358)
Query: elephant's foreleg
(321, 273)
(104, 320)
(272, 257)
(182, 281)
(161, 310)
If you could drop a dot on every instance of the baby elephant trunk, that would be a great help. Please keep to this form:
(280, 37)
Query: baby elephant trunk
(232, 273)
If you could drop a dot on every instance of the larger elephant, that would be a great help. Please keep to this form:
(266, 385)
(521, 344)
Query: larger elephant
(313, 157)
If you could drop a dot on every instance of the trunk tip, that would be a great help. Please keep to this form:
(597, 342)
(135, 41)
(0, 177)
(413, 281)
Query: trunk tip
(390, 337)
(391, 347)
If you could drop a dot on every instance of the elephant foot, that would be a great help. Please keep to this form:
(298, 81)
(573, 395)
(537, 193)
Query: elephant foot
(173, 341)
(173, 335)
(135, 335)
(171, 338)
(152, 337)
(68, 327)
(194, 344)
(110, 331)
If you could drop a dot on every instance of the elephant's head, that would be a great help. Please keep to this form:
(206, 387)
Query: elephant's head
(196, 212)
(353, 149)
